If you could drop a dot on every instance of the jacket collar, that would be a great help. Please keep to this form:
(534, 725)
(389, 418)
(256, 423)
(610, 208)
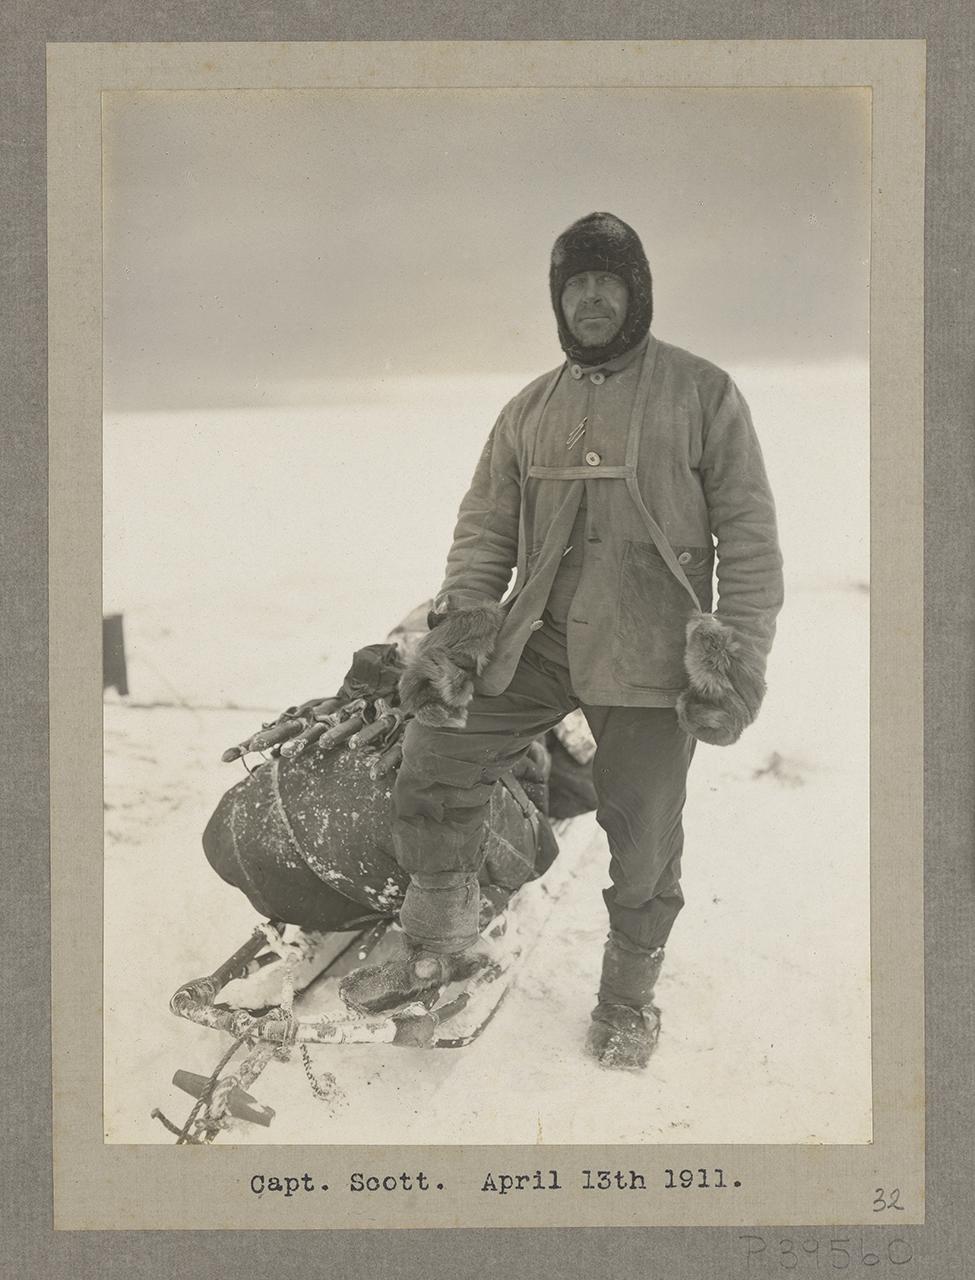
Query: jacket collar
(619, 362)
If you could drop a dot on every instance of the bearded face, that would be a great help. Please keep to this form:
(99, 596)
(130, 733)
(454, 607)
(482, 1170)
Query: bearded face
(594, 305)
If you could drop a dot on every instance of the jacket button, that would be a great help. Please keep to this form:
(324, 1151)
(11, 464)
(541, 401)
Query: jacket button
(536, 625)
(592, 458)
(684, 557)
(575, 371)
(597, 378)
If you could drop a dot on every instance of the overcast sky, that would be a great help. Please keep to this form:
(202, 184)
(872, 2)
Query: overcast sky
(267, 247)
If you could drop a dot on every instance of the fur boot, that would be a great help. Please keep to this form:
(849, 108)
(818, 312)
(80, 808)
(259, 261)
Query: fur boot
(626, 1023)
(438, 682)
(414, 974)
(726, 684)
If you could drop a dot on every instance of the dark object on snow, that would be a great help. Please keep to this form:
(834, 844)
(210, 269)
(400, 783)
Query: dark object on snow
(114, 671)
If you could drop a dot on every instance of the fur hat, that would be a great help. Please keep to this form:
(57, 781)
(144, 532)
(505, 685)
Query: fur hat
(603, 242)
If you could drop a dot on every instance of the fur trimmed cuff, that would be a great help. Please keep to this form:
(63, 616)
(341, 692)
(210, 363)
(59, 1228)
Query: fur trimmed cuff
(726, 684)
(438, 682)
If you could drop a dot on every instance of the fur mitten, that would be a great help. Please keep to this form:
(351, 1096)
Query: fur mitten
(726, 683)
(438, 682)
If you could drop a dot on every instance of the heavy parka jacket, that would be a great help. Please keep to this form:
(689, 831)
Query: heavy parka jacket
(662, 444)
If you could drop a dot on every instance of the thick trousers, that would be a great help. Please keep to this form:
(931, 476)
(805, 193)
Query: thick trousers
(442, 791)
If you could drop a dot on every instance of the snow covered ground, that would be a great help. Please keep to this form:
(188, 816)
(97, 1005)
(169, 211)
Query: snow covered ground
(252, 551)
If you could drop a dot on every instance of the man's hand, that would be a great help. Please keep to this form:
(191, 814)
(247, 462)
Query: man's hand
(726, 685)
(438, 682)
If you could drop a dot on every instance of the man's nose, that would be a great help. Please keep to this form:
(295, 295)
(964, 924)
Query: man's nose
(592, 289)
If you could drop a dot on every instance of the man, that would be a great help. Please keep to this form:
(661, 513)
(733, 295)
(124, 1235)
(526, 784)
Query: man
(608, 484)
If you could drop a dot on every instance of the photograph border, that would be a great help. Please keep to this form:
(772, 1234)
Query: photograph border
(102, 1187)
(943, 1246)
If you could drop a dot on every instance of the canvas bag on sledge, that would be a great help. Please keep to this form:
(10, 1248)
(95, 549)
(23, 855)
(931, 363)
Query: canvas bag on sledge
(307, 838)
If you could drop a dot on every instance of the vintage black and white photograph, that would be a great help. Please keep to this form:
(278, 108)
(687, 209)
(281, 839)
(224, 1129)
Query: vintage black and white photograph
(486, 615)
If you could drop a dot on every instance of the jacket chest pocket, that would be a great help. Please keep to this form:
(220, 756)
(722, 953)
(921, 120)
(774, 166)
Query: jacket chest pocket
(652, 613)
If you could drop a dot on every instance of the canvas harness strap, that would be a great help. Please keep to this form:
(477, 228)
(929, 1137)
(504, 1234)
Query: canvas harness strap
(627, 472)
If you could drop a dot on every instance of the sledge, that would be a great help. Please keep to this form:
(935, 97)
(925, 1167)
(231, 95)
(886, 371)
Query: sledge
(327, 882)
(278, 995)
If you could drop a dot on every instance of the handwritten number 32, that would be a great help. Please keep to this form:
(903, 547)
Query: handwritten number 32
(883, 1200)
